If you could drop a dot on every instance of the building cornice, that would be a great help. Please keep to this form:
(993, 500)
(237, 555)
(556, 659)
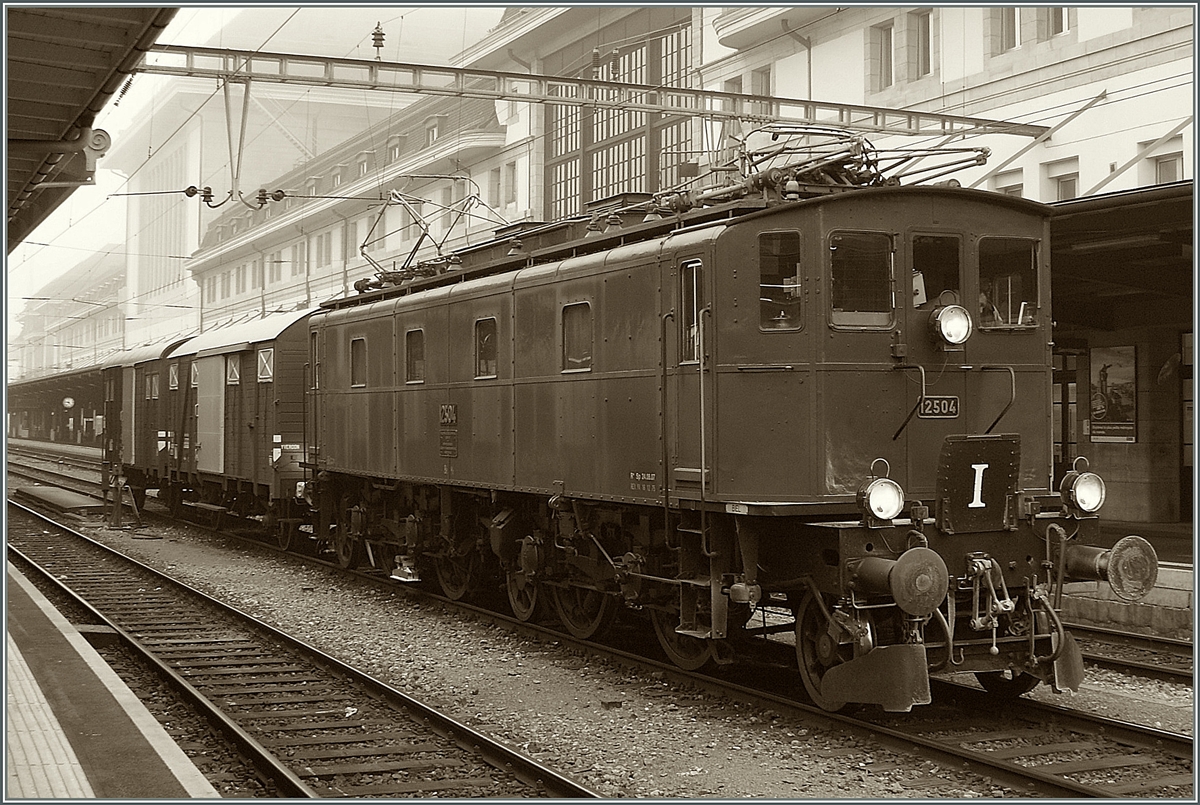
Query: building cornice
(494, 47)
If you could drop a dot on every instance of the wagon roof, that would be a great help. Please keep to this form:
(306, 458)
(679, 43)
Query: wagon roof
(240, 336)
(149, 352)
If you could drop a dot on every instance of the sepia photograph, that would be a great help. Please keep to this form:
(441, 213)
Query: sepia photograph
(673, 402)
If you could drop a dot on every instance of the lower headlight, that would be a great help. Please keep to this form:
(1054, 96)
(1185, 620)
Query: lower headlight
(952, 324)
(881, 498)
(1084, 491)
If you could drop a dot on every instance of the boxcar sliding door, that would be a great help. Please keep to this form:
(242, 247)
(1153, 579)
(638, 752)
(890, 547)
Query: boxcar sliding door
(210, 414)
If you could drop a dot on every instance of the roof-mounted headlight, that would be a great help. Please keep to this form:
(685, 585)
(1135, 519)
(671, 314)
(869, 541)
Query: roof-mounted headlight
(952, 324)
(1081, 490)
(880, 498)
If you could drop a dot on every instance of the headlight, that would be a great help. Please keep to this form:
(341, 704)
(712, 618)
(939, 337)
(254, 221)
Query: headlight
(952, 324)
(881, 498)
(1083, 490)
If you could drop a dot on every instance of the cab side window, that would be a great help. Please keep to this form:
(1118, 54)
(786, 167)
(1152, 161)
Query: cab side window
(485, 348)
(779, 281)
(414, 356)
(577, 337)
(691, 302)
(1008, 291)
(358, 362)
(860, 270)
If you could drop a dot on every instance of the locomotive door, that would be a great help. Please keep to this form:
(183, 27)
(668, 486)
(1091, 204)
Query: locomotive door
(935, 279)
(691, 397)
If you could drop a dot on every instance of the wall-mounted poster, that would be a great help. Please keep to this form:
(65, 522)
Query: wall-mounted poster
(1114, 394)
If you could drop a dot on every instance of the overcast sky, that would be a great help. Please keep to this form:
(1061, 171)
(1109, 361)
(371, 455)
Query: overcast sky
(93, 217)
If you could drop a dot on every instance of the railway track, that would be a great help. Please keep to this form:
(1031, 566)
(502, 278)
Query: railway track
(1139, 655)
(49, 477)
(49, 454)
(314, 726)
(1152, 657)
(1027, 746)
(1032, 748)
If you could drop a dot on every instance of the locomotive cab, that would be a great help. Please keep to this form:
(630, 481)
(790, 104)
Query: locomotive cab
(913, 329)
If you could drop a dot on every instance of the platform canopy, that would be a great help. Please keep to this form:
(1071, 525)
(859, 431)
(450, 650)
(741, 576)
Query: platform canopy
(1123, 259)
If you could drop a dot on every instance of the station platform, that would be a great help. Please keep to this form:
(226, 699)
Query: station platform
(61, 500)
(74, 729)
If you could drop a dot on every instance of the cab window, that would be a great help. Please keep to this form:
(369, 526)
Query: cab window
(1007, 282)
(779, 281)
(860, 270)
(414, 356)
(935, 271)
(485, 348)
(691, 303)
(577, 337)
(358, 362)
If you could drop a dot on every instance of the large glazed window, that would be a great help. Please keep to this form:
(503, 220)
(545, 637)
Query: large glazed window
(779, 281)
(485, 348)
(935, 271)
(1008, 290)
(577, 337)
(691, 302)
(860, 268)
(414, 356)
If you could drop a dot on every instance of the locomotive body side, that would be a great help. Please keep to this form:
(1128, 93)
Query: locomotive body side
(836, 408)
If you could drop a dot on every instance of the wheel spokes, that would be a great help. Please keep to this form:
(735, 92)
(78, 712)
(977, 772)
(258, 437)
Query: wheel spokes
(687, 652)
(524, 594)
(585, 612)
(815, 653)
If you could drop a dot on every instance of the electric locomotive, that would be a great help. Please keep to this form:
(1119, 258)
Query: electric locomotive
(828, 403)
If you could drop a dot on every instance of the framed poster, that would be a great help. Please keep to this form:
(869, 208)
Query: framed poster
(1114, 394)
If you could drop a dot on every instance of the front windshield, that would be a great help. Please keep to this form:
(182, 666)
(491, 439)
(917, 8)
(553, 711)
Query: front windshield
(1008, 292)
(860, 268)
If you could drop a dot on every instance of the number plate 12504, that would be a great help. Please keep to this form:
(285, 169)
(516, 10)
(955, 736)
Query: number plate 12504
(938, 408)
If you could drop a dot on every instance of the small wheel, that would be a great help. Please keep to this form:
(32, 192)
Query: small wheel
(345, 546)
(585, 612)
(1007, 684)
(524, 594)
(687, 652)
(285, 534)
(816, 652)
(457, 574)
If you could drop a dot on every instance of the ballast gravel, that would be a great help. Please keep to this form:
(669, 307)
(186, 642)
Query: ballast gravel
(619, 732)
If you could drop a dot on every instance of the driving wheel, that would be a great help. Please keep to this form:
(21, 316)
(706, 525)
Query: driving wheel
(687, 652)
(524, 594)
(346, 546)
(585, 612)
(457, 574)
(817, 652)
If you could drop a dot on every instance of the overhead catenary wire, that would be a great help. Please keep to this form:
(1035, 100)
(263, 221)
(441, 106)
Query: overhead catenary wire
(643, 38)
